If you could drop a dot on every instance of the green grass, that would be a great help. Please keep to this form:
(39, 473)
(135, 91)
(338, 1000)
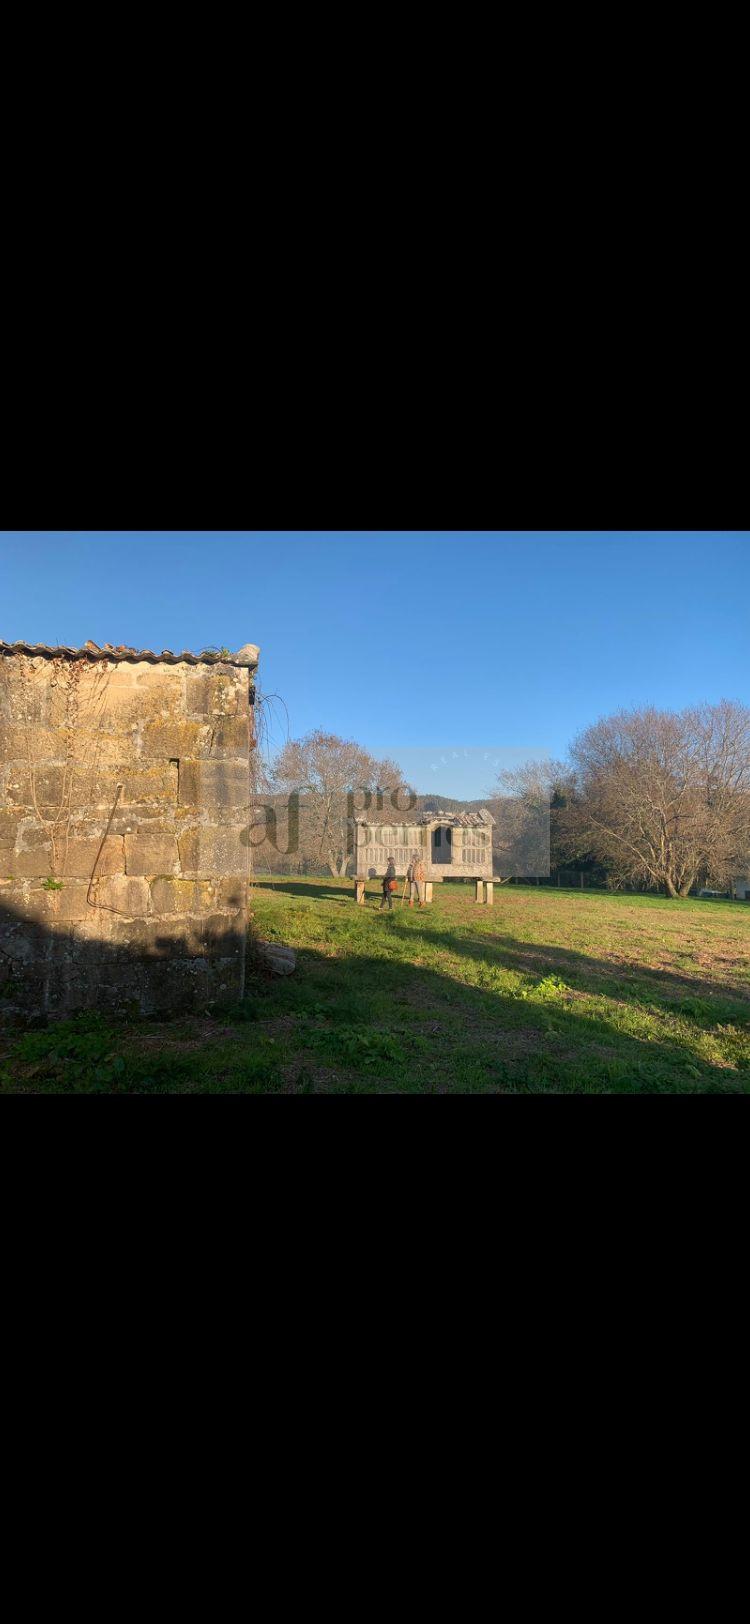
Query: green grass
(550, 991)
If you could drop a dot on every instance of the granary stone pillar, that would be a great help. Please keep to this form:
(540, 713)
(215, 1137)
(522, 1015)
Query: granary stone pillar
(490, 889)
(428, 890)
(480, 891)
(359, 891)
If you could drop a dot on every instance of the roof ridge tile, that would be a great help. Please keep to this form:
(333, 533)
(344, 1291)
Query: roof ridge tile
(246, 656)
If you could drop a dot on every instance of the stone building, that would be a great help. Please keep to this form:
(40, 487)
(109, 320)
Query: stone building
(125, 788)
(452, 845)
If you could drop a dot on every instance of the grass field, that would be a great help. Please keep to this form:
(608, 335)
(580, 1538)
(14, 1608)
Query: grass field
(550, 991)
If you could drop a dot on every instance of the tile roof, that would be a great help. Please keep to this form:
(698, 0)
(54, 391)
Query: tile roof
(247, 656)
(455, 820)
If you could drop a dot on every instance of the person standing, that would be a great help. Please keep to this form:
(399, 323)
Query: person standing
(389, 882)
(418, 880)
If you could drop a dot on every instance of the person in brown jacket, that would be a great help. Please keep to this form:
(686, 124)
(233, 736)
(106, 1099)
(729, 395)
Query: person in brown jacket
(415, 876)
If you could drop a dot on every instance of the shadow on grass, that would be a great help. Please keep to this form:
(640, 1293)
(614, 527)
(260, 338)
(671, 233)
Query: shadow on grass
(343, 892)
(346, 1023)
(374, 1024)
(582, 971)
(592, 975)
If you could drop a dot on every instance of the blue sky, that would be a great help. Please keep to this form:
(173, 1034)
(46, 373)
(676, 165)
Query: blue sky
(413, 640)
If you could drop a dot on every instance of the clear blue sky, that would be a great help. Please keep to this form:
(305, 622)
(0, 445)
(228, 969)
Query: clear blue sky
(501, 639)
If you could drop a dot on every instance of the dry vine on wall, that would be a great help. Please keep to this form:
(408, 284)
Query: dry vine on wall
(72, 702)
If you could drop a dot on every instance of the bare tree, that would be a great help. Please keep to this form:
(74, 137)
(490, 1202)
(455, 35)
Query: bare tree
(663, 798)
(324, 769)
(525, 802)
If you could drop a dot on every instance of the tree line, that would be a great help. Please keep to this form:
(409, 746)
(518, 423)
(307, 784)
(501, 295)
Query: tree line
(647, 798)
(656, 799)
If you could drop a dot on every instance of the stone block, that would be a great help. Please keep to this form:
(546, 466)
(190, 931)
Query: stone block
(17, 792)
(70, 905)
(210, 852)
(147, 791)
(24, 744)
(32, 862)
(131, 818)
(7, 714)
(9, 823)
(9, 751)
(218, 935)
(162, 686)
(152, 938)
(45, 786)
(142, 693)
(147, 785)
(109, 984)
(151, 853)
(152, 785)
(212, 693)
(122, 894)
(83, 857)
(31, 831)
(172, 741)
(176, 937)
(57, 693)
(280, 960)
(177, 896)
(17, 942)
(215, 786)
(163, 983)
(96, 750)
(52, 908)
(229, 896)
(232, 737)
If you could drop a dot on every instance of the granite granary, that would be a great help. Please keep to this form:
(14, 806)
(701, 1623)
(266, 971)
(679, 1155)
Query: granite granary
(125, 790)
(451, 845)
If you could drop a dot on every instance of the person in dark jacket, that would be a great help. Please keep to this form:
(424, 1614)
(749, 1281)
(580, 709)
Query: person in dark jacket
(390, 874)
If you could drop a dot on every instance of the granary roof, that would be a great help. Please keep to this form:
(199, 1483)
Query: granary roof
(455, 820)
(247, 656)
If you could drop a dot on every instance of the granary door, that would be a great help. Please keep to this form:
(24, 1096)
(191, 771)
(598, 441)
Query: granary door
(441, 844)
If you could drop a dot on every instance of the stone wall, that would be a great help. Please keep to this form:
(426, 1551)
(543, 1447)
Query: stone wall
(124, 812)
(468, 856)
